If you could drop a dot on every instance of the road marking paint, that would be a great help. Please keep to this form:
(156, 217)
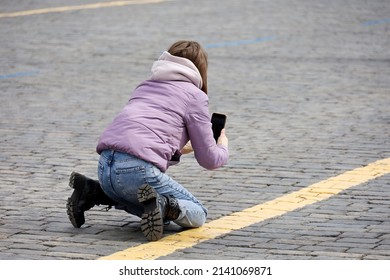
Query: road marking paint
(240, 42)
(79, 7)
(256, 214)
(377, 21)
(19, 74)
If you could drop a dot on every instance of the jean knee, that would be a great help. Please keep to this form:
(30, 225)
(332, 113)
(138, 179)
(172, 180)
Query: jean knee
(192, 215)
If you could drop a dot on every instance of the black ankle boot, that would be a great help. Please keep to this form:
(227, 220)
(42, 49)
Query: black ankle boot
(172, 210)
(87, 193)
(158, 209)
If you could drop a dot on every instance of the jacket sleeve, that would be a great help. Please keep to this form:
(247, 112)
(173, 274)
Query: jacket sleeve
(207, 153)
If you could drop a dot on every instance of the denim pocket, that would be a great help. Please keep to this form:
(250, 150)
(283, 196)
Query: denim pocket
(129, 179)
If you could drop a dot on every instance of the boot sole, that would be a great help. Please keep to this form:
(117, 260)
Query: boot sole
(152, 225)
(77, 219)
(76, 182)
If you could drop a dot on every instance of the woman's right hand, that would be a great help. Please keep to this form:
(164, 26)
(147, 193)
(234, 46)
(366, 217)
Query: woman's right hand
(223, 140)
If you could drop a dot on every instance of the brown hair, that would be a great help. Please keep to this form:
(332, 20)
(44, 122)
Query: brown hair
(193, 51)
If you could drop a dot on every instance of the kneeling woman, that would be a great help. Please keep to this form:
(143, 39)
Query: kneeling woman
(166, 116)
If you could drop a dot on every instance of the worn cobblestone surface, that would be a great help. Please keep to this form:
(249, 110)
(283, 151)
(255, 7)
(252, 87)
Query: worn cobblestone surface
(305, 85)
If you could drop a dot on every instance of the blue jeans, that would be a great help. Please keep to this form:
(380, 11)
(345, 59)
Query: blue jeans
(121, 175)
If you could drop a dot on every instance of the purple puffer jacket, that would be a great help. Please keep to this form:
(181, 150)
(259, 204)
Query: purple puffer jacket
(162, 115)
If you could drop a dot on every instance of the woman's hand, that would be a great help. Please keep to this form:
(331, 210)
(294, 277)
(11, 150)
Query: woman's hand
(223, 140)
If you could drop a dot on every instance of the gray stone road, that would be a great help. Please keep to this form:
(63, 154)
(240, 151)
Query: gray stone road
(305, 85)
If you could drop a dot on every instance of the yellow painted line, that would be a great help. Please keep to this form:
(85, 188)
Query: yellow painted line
(256, 214)
(79, 7)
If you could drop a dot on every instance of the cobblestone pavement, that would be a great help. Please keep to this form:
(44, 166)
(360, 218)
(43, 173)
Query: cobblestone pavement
(305, 85)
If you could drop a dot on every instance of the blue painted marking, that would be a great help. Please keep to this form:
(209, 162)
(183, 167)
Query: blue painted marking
(377, 21)
(19, 74)
(240, 42)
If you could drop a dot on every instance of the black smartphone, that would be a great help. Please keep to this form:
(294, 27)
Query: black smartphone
(218, 122)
